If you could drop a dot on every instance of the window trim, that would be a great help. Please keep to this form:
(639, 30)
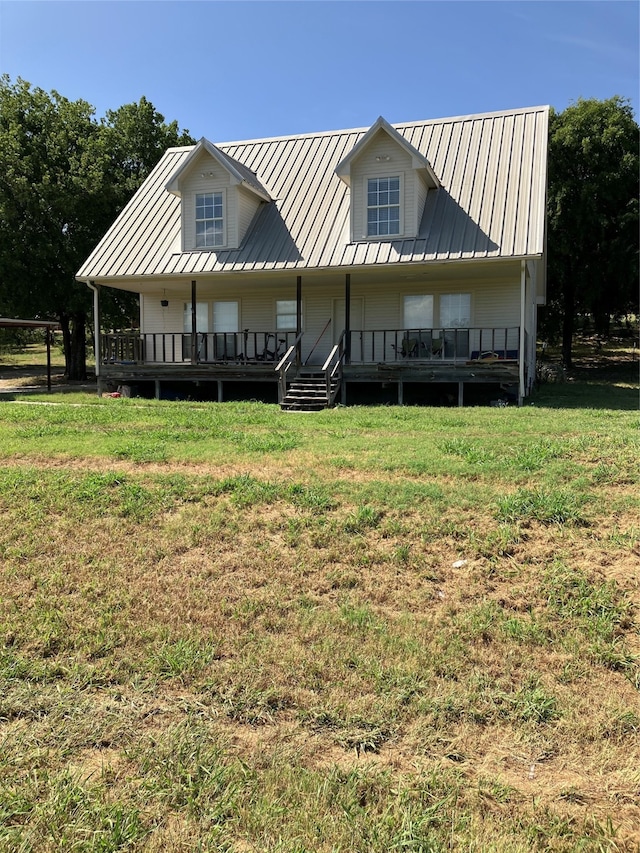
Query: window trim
(365, 207)
(223, 219)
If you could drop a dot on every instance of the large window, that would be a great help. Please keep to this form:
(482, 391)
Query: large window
(455, 318)
(202, 317)
(202, 325)
(286, 315)
(225, 316)
(455, 310)
(418, 312)
(383, 206)
(209, 220)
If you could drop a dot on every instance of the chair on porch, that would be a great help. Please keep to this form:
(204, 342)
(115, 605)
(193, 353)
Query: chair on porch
(408, 348)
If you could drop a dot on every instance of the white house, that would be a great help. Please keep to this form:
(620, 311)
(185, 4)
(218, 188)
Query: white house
(401, 261)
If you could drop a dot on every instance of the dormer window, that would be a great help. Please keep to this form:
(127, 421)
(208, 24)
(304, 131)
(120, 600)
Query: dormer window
(209, 220)
(383, 206)
(389, 181)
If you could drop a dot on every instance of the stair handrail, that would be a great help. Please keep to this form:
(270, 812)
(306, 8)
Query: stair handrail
(317, 341)
(335, 357)
(283, 366)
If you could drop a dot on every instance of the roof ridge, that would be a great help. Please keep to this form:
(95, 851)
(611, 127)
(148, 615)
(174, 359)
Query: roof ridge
(396, 125)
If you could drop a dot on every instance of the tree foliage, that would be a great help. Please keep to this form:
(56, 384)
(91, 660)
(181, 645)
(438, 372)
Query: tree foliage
(64, 177)
(592, 216)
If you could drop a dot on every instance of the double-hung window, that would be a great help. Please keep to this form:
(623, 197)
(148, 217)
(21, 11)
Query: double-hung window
(209, 220)
(383, 206)
(286, 315)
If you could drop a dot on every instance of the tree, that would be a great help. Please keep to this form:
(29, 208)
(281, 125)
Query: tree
(592, 216)
(64, 177)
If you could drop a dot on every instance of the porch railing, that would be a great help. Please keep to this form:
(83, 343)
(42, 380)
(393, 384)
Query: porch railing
(435, 344)
(366, 346)
(176, 347)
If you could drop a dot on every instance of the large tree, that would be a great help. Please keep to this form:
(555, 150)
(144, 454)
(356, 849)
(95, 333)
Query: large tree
(593, 216)
(64, 177)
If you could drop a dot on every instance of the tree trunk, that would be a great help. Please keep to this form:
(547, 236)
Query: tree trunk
(568, 300)
(75, 345)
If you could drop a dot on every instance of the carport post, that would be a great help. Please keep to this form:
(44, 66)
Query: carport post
(48, 334)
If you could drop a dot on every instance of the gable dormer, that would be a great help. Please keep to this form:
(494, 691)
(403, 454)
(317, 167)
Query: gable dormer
(389, 180)
(219, 198)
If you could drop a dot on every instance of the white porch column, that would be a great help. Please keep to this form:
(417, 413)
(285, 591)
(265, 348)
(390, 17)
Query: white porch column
(523, 307)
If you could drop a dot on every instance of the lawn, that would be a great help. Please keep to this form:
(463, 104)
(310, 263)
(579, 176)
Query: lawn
(228, 628)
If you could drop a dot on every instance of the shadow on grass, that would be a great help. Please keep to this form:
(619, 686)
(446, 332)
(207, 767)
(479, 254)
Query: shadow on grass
(586, 395)
(601, 385)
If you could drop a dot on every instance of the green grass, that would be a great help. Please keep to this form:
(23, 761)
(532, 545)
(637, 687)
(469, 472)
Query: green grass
(375, 629)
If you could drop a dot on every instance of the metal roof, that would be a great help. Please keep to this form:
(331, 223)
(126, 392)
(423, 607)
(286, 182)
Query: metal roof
(491, 203)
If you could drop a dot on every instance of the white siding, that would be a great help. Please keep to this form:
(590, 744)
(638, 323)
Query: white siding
(247, 206)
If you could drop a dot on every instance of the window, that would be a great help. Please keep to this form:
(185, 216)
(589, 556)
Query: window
(418, 312)
(455, 316)
(202, 325)
(286, 314)
(383, 206)
(202, 317)
(455, 310)
(225, 316)
(209, 220)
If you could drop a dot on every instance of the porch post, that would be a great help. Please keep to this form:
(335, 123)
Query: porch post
(347, 318)
(298, 319)
(194, 324)
(521, 353)
(96, 331)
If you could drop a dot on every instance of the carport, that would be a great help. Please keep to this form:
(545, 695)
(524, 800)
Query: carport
(47, 325)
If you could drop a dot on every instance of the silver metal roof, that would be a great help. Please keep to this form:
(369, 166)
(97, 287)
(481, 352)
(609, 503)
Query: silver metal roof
(491, 203)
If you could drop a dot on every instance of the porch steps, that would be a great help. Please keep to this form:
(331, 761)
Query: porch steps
(308, 394)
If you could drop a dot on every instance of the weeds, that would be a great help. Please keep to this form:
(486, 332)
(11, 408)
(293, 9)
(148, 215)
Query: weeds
(220, 631)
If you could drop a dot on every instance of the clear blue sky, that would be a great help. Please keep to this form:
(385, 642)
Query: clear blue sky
(242, 70)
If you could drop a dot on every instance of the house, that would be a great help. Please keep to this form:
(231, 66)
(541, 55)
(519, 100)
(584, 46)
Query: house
(397, 262)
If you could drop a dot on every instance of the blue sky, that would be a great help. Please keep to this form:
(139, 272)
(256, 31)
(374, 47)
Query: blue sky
(242, 70)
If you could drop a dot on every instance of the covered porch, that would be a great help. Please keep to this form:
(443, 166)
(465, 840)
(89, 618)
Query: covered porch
(341, 330)
(398, 357)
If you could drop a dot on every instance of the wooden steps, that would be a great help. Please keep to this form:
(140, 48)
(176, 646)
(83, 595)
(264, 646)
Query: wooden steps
(308, 394)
